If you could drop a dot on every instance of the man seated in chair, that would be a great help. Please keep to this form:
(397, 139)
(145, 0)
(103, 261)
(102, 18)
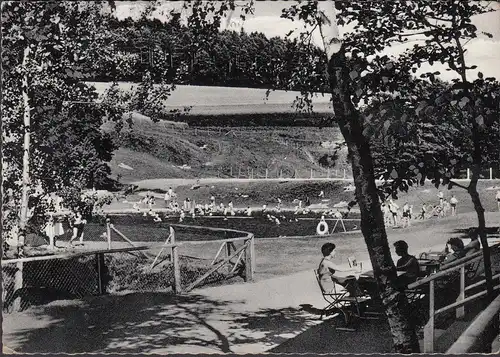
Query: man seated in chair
(328, 269)
(407, 264)
(474, 246)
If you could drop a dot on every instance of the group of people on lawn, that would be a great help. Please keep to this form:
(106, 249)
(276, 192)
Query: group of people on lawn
(407, 266)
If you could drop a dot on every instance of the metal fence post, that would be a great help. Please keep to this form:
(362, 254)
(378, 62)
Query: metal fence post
(248, 260)
(311, 174)
(460, 312)
(266, 173)
(177, 270)
(108, 232)
(228, 254)
(429, 326)
(99, 257)
(18, 284)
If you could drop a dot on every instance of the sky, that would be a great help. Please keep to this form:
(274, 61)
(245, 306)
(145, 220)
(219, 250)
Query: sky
(482, 51)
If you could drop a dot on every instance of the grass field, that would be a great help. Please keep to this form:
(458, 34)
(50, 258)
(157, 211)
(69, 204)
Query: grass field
(218, 100)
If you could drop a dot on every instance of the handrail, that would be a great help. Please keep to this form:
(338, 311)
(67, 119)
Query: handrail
(472, 335)
(459, 304)
(448, 268)
(213, 229)
(5, 262)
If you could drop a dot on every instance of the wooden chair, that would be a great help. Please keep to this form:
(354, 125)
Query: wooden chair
(338, 299)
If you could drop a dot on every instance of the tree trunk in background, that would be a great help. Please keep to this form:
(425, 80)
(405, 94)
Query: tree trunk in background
(372, 222)
(481, 231)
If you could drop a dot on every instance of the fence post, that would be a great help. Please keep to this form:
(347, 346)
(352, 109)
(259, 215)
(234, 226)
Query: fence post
(248, 260)
(108, 232)
(231, 171)
(468, 174)
(251, 174)
(491, 173)
(311, 174)
(18, 284)
(175, 259)
(429, 326)
(344, 174)
(239, 172)
(460, 312)
(228, 254)
(266, 173)
(252, 247)
(99, 257)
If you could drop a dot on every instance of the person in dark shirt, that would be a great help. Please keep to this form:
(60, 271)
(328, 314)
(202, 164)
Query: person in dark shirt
(474, 246)
(458, 251)
(407, 264)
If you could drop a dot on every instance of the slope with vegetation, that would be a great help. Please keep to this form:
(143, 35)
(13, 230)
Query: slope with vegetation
(158, 150)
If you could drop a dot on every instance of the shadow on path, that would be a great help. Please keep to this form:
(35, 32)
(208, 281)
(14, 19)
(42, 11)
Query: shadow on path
(372, 336)
(148, 322)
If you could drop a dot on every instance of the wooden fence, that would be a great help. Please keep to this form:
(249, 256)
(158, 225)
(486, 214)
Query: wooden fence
(229, 256)
(460, 265)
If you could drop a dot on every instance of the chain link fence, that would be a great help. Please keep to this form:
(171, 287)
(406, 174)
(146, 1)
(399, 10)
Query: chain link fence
(141, 259)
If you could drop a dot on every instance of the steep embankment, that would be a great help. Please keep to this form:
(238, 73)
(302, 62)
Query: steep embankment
(160, 150)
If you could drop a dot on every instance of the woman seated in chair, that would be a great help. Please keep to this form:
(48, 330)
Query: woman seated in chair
(327, 270)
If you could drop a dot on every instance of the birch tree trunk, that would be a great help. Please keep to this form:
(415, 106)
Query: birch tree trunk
(23, 214)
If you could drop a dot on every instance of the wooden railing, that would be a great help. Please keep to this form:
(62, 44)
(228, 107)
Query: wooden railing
(245, 256)
(245, 253)
(459, 304)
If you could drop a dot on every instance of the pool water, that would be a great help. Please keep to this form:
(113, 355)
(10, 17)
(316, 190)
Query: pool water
(142, 228)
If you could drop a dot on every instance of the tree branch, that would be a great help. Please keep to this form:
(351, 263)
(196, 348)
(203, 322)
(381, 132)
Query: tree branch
(453, 183)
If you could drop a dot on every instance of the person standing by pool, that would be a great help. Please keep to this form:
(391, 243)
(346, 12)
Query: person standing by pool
(453, 203)
(423, 211)
(406, 215)
(441, 197)
(393, 207)
(78, 226)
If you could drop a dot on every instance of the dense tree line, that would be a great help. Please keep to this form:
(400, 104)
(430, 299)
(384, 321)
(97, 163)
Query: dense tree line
(235, 59)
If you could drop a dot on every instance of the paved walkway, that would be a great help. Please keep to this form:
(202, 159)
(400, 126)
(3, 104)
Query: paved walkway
(240, 318)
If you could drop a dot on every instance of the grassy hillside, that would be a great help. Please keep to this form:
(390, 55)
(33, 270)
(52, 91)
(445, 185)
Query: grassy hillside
(156, 150)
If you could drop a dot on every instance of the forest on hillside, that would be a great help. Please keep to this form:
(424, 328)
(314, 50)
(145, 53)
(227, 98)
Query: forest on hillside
(171, 50)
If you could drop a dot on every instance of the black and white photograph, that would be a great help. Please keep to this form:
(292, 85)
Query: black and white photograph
(250, 177)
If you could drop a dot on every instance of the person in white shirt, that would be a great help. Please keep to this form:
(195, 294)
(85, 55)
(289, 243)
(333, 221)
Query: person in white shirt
(453, 203)
(406, 215)
(393, 207)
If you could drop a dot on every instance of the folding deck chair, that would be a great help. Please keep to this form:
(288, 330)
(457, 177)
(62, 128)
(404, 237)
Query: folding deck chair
(339, 300)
